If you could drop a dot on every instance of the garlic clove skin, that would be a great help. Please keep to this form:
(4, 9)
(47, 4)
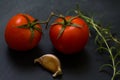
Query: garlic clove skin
(51, 63)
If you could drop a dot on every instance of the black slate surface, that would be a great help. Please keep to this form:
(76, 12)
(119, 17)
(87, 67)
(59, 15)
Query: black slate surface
(83, 66)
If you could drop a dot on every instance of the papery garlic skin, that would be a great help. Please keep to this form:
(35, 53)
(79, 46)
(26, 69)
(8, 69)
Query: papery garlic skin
(51, 63)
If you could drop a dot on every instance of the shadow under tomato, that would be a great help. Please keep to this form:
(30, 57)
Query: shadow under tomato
(24, 59)
(78, 61)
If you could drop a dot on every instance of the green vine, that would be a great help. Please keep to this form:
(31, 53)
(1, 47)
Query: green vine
(103, 39)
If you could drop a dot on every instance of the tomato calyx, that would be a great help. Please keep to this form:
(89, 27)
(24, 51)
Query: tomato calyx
(31, 25)
(66, 23)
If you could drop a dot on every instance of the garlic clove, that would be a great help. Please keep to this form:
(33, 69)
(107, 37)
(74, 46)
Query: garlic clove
(51, 63)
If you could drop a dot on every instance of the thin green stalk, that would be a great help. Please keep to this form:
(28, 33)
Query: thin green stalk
(97, 29)
(109, 50)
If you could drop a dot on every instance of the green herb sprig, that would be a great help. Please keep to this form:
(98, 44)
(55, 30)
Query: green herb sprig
(103, 39)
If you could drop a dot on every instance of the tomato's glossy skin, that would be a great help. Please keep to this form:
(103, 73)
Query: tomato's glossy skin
(19, 38)
(73, 38)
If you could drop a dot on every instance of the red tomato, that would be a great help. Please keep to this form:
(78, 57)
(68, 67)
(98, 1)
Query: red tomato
(21, 34)
(74, 36)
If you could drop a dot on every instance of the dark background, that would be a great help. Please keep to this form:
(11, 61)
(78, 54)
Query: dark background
(83, 66)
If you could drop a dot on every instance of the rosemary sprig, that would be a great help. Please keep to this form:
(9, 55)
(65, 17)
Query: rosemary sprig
(103, 39)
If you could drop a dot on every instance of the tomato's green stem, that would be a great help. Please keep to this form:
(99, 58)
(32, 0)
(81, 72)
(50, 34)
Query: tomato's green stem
(62, 17)
(31, 25)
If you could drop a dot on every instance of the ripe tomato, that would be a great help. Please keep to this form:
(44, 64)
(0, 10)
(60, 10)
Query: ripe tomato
(22, 32)
(69, 35)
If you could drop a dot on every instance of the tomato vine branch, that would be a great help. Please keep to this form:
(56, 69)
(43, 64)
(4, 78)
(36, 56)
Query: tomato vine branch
(103, 37)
